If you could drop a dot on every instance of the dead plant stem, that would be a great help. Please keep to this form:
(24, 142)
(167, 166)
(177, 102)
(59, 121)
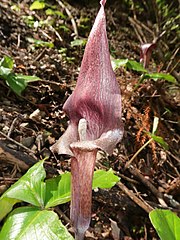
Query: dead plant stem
(138, 151)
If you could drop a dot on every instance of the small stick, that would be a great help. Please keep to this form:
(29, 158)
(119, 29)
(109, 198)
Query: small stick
(132, 196)
(71, 17)
(12, 126)
(17, 143)
(148, 184)
(138, 151)
(6, 179)
(56, 32)
(118, 174)
(66, 219)
(18, 41)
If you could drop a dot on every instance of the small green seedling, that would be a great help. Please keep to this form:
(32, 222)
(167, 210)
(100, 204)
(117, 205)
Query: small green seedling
(16, 82)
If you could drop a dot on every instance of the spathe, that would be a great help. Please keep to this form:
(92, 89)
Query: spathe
(94, 110)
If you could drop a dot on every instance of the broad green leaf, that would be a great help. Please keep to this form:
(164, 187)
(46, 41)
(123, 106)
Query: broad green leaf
(7, 62)
(26, 223)
(29, 188)
(78, 42)
(133, 65)
(37, 5)
(14, 84)
(104, 179)
(58, 190)
(32, 189)
(18, 82)
(116, 63)
(157, 76)
(6, 206)
(6, 66)
(159, 140)
(166, 223)
(4, 72)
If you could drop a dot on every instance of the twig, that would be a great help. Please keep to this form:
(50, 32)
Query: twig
(153, 189)
(66, 219)
(19, 144)
(40, 55)
(56, 32)
(131, 195)
(12, 126)
(57, 83)
(18, 40)
(137, 30)
(156, 10)
(6, 179)
(126, 178)
(172, 155)
(9, 158)
(142, 25)
(51, 28)
(118, 174)
(138, 151)
(70, 16)
(171, 59)
(175, 169)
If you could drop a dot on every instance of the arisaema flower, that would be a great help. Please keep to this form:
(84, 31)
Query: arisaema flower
(94, 110)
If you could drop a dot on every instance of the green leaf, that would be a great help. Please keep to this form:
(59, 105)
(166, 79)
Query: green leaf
(29, 188)
(78, 42)
(58, 190)
(159, 140)
(6, 206)
(32, 223)
(51, 11)
(26, 78)
(18, 82)
(6, 66)
(166, 224)
(15, 85)
(116, 63)
(32, 189)
(133, 65)
(104, 179)
(40, 43)
(157, 76)
(4, 72)
(37, 5)
(155, 124)
(7, 62)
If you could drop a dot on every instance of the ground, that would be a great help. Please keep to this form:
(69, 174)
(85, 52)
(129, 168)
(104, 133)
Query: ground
(35, 119)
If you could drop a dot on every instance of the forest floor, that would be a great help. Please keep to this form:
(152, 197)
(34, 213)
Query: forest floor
(36, 120)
